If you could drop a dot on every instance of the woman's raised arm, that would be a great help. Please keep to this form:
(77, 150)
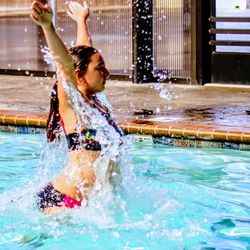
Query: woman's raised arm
(42, 15)
(79, 13)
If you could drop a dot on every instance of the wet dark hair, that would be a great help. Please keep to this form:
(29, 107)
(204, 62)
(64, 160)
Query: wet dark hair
(81, 57)
(53, 126)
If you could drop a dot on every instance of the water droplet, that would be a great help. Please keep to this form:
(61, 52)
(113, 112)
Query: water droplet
(157, 110)
(60, 29)
(116, 235)
(72, 43)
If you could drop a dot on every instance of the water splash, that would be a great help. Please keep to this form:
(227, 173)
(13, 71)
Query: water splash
(164, 90)
(47, 56)
(113, 146)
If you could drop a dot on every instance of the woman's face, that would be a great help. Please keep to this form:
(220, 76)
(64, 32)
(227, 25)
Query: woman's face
(96, 74)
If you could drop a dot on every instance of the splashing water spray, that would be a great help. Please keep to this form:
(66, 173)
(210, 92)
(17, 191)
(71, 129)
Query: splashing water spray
(112, 168)
(164, 90)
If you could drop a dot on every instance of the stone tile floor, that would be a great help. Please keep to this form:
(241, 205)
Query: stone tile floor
(215, 104)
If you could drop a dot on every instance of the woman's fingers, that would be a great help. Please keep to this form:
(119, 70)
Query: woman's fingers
(37, 8)
(40, 8)
(41, 14)
(35, 15)
(70, 14)
(74, 10)
(85, 5)
(34, 18)
(71, 5)
(74, 5)
(48, 8)
(38, 5)
(37, 11)
(77, 11)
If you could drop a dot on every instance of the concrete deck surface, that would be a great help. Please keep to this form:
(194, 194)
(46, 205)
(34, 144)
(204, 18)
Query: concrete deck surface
(210, 104)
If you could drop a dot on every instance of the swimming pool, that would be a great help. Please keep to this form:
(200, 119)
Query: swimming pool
(174, 199)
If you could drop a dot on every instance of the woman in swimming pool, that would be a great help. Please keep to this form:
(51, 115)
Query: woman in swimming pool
(84, 68)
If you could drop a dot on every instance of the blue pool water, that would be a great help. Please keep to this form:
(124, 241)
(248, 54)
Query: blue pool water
(174, 199)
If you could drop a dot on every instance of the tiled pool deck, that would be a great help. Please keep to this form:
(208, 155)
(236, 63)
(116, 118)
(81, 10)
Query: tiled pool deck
(195, 114)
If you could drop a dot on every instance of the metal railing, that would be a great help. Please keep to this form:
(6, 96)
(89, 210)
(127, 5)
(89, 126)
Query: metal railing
(213, 31)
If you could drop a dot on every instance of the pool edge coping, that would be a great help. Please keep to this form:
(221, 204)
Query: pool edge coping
(179, 129)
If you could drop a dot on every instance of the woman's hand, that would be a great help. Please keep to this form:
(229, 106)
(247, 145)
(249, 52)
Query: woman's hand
(41, 14)
(78, 12)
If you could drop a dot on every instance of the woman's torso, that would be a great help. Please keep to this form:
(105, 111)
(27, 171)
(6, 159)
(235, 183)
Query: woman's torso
(80, 166)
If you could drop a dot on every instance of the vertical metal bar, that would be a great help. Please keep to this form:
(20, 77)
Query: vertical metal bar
(193, 42)
(188, 29)
(204, 55)
(213, 24)
(142, 41)
(199, 70)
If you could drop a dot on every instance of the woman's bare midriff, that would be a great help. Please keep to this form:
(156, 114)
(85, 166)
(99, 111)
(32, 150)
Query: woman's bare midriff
(79, 176)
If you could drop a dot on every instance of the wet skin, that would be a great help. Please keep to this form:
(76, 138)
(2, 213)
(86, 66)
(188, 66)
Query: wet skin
(94, 79)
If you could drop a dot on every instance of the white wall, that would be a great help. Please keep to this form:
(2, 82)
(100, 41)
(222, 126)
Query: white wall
(230, 4)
